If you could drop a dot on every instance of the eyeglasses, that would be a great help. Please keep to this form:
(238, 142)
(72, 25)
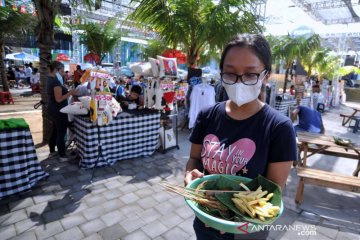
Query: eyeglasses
(246, 78)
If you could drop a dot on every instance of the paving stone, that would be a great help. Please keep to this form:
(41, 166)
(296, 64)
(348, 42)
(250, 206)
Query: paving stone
(347, 236)
(147, 202)
(93, 226)
(77, 196)
(53, 215)
(149, 215)
(59, 202)
(7, 232)
(71, 174)
(129, 198)
(187, 225)
(132, 209)
(113, 193)
(25, 236)
(43, 198)
(48, 230)
(72, 233)
(137, 235)
(113, 184)
(4, 209)
(327, 231)
(142, 185)
(94, 200)
(28, 224)
(128, 188)
(113, 217)
(76, 207)
(184, 212)
(162, 197)
(94, 236)
(94, 212)
(178, 201)
(52, 188)
(170, 220)
(132, 223)
(176, 233)
(154, 229)
(38, 209)
(72, 220)
(23, 203)
(319, 236)
(96, 189)
(13, 217)
(112, 205)
(112, 233)
(165, 208)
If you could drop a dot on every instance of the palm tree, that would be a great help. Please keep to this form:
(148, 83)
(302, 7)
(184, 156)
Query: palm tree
(13, 25)
(155, 47)
(46, 13)
(101, 39)
(292, 49)
(195, 24)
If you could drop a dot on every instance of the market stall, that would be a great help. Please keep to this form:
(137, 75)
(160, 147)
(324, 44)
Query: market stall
(131, 134)
(19, 166)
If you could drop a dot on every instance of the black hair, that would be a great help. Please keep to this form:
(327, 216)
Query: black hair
(136, 89)
(35, 70)
(56, 65)
(257, 43)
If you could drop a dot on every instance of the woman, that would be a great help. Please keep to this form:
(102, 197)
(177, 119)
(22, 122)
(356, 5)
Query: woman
(35, 81)
(242, 136)
(57, 99)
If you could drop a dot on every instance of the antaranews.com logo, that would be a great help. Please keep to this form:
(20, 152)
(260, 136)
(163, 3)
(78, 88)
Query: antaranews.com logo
(302, 230)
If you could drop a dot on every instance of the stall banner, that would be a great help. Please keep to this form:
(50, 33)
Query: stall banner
(103, 99)
(167, 85)
(181, 90)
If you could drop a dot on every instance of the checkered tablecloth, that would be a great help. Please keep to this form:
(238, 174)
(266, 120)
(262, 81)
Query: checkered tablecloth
(127, 136)
(19, 166)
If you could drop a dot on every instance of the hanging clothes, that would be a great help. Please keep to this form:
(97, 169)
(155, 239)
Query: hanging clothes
(202, 96)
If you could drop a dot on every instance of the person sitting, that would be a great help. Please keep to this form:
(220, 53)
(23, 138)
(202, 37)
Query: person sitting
(133, 97)
(309, 120)
(35, 81)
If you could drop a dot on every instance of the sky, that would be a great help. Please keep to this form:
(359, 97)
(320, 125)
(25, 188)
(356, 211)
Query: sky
(283, 19)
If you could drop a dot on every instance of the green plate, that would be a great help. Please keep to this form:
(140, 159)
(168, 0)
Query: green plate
(244, 225)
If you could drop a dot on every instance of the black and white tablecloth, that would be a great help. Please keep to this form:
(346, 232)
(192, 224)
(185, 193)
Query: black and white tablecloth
(19, 166)
(131, 134)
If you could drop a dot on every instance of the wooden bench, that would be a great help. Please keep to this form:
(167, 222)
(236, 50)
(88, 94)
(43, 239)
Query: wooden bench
(331, 151)
(346, 118)
(325, 179)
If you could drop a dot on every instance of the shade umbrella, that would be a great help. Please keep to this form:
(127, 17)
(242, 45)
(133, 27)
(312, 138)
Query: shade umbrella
(173, 53)
(22, 56)
(62, 57)
(92, 58)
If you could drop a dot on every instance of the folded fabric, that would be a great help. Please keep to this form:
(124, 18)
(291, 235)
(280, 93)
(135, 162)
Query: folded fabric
(13, 123)
(75, 108)
(142, 69)
(85, 101)
(154, 66)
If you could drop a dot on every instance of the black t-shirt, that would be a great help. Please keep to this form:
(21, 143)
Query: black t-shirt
(193, 72)
(53, 106)
(243, 147)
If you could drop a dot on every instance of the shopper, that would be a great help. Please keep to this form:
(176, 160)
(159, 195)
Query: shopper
(35, 81)
(134, 97)
(28, 71)
(310, 120)
(57, 99)
(241, 128)
(77, 75)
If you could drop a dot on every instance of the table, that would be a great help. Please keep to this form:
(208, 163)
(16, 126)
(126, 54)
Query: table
(19, 166)
(134, 133)
(325, 145)
(347, 118)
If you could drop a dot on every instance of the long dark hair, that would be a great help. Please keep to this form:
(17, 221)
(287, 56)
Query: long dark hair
(257, 43)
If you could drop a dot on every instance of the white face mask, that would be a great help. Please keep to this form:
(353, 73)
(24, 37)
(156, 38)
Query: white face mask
(241, 94)
(59, 78)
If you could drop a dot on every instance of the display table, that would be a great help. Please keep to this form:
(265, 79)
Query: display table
(283, 105)
(134, 133)
(19, 166)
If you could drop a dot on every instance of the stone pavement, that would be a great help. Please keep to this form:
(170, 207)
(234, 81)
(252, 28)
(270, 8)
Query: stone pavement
(131, 205)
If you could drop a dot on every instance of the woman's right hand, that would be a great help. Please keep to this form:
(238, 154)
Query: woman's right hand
(73, 92)
(192, 175)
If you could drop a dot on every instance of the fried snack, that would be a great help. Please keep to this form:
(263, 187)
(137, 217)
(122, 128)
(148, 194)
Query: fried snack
(255, 203)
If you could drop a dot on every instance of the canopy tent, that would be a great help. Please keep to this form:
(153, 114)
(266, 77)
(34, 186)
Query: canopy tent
(92, 58)
(61, 57)
(22, 56)
(173, 53)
